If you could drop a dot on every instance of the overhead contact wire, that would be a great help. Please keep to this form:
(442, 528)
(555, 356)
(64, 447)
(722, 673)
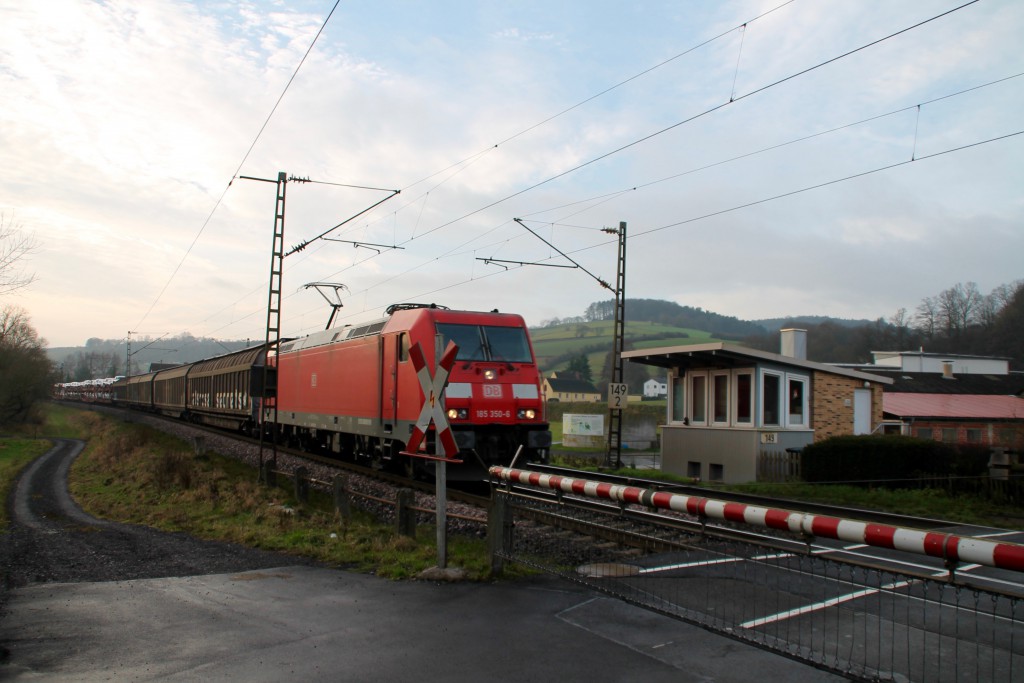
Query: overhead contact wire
(234, 175)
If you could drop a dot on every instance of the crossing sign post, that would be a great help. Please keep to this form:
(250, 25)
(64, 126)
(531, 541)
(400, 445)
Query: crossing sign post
(444, 442)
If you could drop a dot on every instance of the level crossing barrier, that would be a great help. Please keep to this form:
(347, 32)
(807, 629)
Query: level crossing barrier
(897, 619)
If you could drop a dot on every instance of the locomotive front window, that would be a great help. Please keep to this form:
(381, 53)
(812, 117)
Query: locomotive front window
(466, 337)
(508, 344)
(505, 344)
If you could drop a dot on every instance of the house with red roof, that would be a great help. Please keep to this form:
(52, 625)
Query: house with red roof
(952, 398)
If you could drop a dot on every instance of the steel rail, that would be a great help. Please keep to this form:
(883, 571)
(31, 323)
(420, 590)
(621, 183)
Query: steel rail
(951, 548)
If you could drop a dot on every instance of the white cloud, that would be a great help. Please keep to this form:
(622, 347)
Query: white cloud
(126, 121)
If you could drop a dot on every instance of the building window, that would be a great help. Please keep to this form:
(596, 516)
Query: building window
(771, 385)
(699, 399)
(678, 402)
(796, 395)
(973, 435)
(716, 472)
(744, 398)
(693, 470)
(949, 434)
(923, 433)
(720, 398)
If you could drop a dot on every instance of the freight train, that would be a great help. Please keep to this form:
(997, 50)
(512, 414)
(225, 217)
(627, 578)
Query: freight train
(354, 392)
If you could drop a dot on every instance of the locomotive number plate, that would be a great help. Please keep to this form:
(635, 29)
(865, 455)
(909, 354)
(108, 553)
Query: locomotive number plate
(493, 414)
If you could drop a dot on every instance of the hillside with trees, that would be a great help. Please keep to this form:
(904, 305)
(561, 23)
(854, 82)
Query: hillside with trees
(958, 320)
(108, 357)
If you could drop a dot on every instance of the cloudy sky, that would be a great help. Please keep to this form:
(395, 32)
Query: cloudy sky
(760, 172)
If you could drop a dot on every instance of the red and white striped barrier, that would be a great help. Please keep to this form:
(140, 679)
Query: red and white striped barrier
(945, 546)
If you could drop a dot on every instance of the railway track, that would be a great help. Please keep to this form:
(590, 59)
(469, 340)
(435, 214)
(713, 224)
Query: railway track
(613, 530)
(637, 529)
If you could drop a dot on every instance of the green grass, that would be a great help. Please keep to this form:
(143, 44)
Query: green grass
(15, 454)
(135, 474)
(26, 442)
(553, 342)
(930, 503)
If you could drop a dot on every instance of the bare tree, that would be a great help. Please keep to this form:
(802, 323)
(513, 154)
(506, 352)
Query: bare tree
(959, 308)
(927, 317)
(16, 330)
(996, 301)
(901, 324)
(15, 247)
(26, 371)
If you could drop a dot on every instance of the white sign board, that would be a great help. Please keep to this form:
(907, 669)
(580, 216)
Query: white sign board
(582, 425)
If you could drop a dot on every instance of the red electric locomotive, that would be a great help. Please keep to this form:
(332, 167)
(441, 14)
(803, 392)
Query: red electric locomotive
(354, 391)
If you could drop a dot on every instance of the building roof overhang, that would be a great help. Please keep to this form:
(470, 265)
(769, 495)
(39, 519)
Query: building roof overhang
(724, 354)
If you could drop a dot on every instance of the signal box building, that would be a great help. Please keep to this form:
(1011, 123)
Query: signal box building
(732, 409)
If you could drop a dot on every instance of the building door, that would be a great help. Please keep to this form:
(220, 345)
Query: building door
(861, 411)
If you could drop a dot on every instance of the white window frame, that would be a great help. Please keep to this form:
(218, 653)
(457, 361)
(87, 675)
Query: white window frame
(690, 377)
(735, 405)
(712, 396)
(805, 400)
(673, 380)
(781, 398)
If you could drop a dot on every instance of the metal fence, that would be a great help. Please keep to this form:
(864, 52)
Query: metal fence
(864, 622)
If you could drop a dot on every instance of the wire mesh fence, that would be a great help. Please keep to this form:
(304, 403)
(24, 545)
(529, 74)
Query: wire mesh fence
(867, 622)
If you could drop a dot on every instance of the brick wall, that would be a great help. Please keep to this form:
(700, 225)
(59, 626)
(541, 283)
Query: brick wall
(1006, 434)
(832, 404)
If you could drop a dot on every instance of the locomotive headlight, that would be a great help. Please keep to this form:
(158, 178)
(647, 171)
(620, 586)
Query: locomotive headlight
(457, 413)
(526, 413)
(490, 374)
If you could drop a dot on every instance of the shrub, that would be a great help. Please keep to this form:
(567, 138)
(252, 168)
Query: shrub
(877, 459)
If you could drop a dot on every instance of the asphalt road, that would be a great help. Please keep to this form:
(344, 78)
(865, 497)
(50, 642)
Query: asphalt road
(87, 599)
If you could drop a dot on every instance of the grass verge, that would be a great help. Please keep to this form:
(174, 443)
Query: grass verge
(135, 474)
(15, 454)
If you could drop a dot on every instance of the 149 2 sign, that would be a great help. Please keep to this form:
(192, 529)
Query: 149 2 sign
(617, 395)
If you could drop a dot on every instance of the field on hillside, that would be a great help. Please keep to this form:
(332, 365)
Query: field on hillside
(555, 345)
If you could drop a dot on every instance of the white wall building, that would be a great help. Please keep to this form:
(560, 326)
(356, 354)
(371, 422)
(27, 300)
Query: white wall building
(655, 389)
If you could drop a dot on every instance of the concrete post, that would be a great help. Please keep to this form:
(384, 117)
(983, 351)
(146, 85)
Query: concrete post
(499, 531)
(405, 516)
(342, 502)
(301, 484)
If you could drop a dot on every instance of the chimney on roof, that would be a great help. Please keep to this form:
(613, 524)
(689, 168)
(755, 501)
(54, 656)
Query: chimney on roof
(947, 369)
(793, 343)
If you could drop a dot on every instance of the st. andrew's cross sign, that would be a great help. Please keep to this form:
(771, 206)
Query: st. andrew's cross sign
(433, 406)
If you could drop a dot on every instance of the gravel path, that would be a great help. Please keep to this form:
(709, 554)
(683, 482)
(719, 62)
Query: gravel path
(50, 539)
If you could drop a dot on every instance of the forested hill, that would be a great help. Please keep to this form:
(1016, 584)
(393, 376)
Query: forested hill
(667, 313)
